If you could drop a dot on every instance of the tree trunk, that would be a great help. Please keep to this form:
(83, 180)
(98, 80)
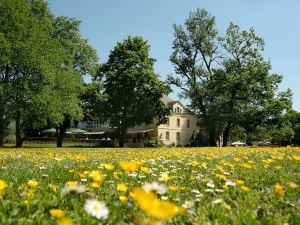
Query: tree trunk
(3, 126)
(59, 139)
(122, 136)
(19, 141)
(212, 138)
(61, 130)
(226, 136)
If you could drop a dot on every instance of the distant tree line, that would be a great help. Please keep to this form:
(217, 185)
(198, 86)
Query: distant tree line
(43, 59)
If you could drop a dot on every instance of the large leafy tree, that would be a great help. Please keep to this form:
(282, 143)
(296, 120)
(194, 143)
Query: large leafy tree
(226, 79)
(28, 62)
(132, 87)
(79, 59)
(42, 64)
(195, 57)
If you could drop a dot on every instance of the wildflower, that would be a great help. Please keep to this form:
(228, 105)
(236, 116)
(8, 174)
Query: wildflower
(27, 203)
(64, 221)
(32, 184)
(3, 186)
(173, 188)
(122, 187)
(123, 198)
(108, 166)
(145, 169)
(57, 213)
(156, 187)
(155, 207)
(210, 185)
(221, 176)
(165, 177)
(296, 157)
(188, 204)
(217, 201)
(244, 188)
(53, 187)
(95, 185)
(96, 208)
(97, 176)
(230, 183)
(239, 182)
(130, 167)
(292, 185)
(278, 190)
(73, 187)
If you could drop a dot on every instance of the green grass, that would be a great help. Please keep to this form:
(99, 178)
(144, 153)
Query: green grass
(188, 169)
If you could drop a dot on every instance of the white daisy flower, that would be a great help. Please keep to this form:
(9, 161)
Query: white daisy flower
(158, 188)
(210, 185)
(96, 208)
(230, 183)
(217, 201)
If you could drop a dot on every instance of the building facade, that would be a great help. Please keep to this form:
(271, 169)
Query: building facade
(180, 127)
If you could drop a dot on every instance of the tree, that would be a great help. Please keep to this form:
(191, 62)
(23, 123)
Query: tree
(132, 87)
(79, 59)
(42, 64)
(27, 62)
(196, 54)
(226, 79)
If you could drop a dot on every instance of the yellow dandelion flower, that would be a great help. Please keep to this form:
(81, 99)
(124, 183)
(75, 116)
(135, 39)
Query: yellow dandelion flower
(57, 213)
(277, 167)
(116, 175)
(95, 185)
(292, 185)
(3, 185)
(130, 167)
(154, 207)
(32, 184)
(296, 157)
(221, 176)
(244, 188)
(173, 188)
(97, 176)
(53, 187)
(204, 180)
(123, 198)
(239, 182)
(145, 169)
(278, 190)
(64, 221)
(108, 166)
(122, 187)
(27, 203)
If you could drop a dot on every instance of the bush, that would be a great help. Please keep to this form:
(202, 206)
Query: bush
(153, 142)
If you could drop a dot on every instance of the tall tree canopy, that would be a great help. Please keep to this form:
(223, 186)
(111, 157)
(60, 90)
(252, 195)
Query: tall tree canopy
(42, 61)
(226, 79)
(132, 87)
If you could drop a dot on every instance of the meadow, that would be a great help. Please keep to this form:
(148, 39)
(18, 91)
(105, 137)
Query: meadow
(150, 186)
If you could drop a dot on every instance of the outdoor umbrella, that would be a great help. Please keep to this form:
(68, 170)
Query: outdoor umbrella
(49, 131)
(77, 131)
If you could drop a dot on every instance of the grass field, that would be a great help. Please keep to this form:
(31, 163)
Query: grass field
(150, 186)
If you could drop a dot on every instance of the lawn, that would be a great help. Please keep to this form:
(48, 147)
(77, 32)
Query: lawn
(150, 186)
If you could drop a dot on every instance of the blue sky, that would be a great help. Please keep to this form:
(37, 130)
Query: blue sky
(106, 22)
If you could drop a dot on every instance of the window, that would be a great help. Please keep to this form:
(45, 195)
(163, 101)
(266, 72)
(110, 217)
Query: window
(178, 122)
(188, 123)
(177, 136)
(180, 111)
(167, 135)
(177, 109)
(168, 122)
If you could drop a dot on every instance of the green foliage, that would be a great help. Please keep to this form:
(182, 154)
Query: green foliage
(226, 79)
(132, 88)
(154, 142)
